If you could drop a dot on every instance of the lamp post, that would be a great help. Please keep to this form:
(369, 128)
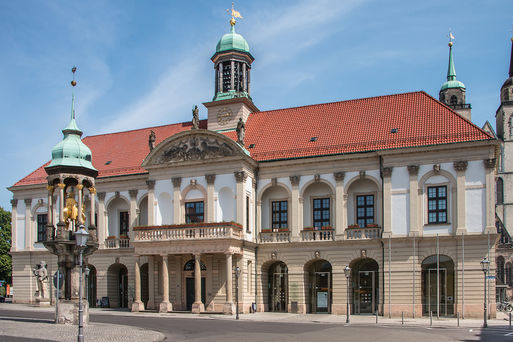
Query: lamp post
(86, 285)
(81, 236)
(485, 264)
(347, 272)
(237, 274)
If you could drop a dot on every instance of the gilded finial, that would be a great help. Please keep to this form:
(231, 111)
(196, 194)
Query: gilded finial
(73, 70)
(234, 14)
(451, 38)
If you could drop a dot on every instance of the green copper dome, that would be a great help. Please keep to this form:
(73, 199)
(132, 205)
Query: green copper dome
(71, 151)
(451, 82)
(232, 41)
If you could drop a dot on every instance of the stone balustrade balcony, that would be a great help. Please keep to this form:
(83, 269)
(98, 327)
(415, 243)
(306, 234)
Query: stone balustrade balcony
(117, 243)
(190, 231)
(318, 235)
(363, 233)
(278, 236)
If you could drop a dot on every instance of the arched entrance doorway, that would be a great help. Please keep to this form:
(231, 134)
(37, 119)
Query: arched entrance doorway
(145, 293)
(91, 286)
(189, 283)
(320, 286)
(278, 282)
(438, 285)
(365, 286)
(117, 286)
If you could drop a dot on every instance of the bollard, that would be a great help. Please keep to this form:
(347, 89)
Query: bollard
(458, 317)
(377, 317)
(430, 318)
(510, 321)
(402, 317)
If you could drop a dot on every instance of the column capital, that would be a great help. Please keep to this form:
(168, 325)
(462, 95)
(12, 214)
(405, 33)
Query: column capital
(294, 180)
(211, 178)
(490, 163)
(28, 201)
(61, 185)
(80, 186)
(133, 193)
(460, 165)
(413, 170)
(150, 184)
(339, 176)
(101, 196)
(50, 188)
(177, 181)
(240, 176)
(254, 182)
(14, 202)
(387, 171)
(92, 190)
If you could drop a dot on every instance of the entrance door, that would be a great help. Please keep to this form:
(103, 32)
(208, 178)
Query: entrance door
(432, 291)
(189, 285)
(366, 287)
(322, 291)
(279, 292)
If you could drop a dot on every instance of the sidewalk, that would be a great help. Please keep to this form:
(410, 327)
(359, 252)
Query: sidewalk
(46, 330)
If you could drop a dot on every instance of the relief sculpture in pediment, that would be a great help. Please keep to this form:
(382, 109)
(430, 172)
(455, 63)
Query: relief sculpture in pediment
(196, 148)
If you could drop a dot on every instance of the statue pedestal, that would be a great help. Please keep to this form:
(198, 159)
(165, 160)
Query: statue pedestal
(68, 312)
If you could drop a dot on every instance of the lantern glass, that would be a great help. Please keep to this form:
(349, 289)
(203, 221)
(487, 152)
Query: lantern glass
(347, 271)
(484, 264)
(81, 236)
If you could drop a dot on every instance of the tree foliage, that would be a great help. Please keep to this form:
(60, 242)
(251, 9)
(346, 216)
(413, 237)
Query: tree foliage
(5, 245)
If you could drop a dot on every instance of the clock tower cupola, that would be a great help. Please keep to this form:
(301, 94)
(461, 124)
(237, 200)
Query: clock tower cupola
(232, 64)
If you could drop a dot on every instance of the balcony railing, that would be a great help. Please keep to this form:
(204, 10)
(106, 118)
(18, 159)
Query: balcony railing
(363, 233)
(274, 236)
(318, 235)
(117, 243)
(192, 231)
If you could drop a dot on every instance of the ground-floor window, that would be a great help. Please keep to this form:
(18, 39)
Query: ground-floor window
(438, 292)
(364, 286)
(320, 284)
(278, 287)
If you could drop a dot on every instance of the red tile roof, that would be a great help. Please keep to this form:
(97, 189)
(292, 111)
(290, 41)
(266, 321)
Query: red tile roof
(360, 125)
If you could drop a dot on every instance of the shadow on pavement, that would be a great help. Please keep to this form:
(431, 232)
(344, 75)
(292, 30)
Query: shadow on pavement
(26, 320)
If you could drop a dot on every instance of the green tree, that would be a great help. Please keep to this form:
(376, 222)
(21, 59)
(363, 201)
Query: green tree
(5, 245)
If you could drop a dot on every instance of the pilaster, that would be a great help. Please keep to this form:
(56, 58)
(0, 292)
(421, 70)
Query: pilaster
(210, 197)
(294, 209)
(151, 202)
(14, 223)
(387, 201)
(101, 220)
(490, 195)
(461, 225)
(229, 307)
(413, 171)
(177, 207)
(339, 222)
(151, 282)
(28, 220)
(240, 177)
(133, 212)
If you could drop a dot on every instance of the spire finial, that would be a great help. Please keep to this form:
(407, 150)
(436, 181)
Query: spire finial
(73, 84)
(451, 71)
(234, 14)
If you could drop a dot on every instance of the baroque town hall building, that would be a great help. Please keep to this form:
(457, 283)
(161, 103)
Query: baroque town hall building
(400, 188)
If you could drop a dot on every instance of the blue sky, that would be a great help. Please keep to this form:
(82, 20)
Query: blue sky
(145, 63)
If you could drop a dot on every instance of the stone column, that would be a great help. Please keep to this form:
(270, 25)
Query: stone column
(232, 75)
(387, 201)
(101, 229)
(177, 206)
(137, 305)
(490, 195)
(61, 201)
(151, 282)
(50, 204)
(244, 78)
(198, 305)
(151, 202)
(28, 220)
(92, 204)
(294, 209)
(80, 194)
(133, 213)
(461, 225)
(220, 80)
(240, 177)
(413, 171)
(229, 307)
(14, 220)
(210, 197)
(165, 305)
(339, 222)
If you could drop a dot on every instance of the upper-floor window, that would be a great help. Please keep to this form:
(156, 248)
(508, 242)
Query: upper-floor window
(365, 210)
(194, 212)
(123, 223)
(279, 214)
(248, 229)
(500, 191)
(42, 221)
(321, 212)
(500, 270)
(437, 204)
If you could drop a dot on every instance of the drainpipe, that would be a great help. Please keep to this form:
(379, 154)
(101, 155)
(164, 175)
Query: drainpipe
(382, 243)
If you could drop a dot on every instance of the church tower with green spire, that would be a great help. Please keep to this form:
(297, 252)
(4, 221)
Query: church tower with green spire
(452, 92)
(232, 64)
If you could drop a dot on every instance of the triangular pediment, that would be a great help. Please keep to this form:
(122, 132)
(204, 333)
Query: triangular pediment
(193, 145)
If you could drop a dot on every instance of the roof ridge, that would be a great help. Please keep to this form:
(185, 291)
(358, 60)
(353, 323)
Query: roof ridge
(142, 129)
(333, 102)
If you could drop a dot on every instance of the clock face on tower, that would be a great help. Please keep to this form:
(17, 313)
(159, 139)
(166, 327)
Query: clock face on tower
(224, 115)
